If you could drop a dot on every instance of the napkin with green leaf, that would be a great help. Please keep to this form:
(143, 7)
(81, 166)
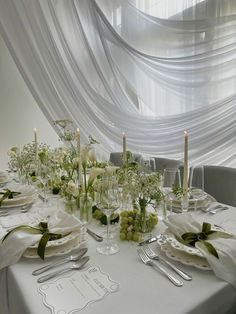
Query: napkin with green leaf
(219, 248)
(7, 194)
(16, 242)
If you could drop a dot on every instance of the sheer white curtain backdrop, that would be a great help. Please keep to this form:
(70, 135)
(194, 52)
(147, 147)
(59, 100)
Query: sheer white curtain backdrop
(151, 69)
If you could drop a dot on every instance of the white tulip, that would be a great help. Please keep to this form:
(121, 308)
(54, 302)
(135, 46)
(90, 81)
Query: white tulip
(94, 173)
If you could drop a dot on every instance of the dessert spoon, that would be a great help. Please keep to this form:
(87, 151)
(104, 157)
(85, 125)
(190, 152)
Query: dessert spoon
(72, 258)
(74, 266)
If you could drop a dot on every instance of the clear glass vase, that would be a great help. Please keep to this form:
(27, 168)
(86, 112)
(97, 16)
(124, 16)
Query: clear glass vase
(71, 206)
(143, 220)
(86, 203)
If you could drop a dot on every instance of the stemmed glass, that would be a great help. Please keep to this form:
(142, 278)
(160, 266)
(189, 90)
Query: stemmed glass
(171, 178)
(44, 173)
(196, 184)
(109, 202)
(148, 165)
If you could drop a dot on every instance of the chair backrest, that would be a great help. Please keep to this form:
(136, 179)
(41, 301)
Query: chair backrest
(220, 182)
(116, 158)
(162, 163)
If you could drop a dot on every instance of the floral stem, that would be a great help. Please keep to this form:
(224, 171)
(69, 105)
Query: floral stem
(85, 182)
(108, 230)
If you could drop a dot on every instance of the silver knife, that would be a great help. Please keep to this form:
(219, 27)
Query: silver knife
(148, 241)
(95, 236)
(42, 198)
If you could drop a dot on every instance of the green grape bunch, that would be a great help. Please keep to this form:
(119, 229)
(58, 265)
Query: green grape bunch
(128, 228)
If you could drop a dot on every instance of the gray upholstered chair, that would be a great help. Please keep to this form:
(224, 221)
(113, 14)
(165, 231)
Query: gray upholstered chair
(220, 182)
(162, 163)
(116, 158)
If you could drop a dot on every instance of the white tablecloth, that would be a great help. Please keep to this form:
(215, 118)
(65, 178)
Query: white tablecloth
(142, 289)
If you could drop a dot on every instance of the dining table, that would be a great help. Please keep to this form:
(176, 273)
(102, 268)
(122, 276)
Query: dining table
(140, 288)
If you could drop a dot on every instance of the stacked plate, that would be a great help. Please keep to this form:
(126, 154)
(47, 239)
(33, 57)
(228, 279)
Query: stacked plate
(26, 197)
(4, 178)
(203, 200)
(61, 246)
(177, 250)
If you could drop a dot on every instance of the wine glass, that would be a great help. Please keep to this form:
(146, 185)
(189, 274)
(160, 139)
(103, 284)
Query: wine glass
(171, 179)
(44, 173)
(148, 165)
(196, 184)
(109, 202)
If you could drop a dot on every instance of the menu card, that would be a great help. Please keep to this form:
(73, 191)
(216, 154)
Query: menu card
(75, 291)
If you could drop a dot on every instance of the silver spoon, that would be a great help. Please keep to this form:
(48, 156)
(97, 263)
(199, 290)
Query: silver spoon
(72, 258)
(74, 266)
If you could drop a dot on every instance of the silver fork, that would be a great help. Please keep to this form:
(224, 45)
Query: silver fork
(151, 254)
(146, 260)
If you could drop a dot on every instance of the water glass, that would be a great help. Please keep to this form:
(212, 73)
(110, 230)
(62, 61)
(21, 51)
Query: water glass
(148, 165)
(196, 184)
(171, 178)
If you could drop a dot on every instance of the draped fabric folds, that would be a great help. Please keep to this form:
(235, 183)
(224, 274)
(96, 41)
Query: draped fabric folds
(112, 67)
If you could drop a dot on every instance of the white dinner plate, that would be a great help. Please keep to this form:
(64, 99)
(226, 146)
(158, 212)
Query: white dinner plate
(5, 180)
(61, 249)
(185, 258)
(27, 196)
(61, 241)
(205, 202)
(181, 246)
(24, 202)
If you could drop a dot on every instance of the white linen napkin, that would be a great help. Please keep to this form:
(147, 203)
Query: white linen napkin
(224, 267)
(17, 242)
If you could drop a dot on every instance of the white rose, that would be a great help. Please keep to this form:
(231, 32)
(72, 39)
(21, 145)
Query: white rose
(72, 189)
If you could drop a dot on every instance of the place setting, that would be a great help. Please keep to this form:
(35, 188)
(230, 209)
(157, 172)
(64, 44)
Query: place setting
(16, 202)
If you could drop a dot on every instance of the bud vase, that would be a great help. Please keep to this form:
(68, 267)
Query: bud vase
(86, 203)
(71, 206)
(143, 220)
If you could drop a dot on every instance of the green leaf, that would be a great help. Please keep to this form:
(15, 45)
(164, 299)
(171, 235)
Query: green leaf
(206, 227)
(190, 238)
(210, 248)
(5, 196)
(42, 245)
(43, 226)
(92, 140)
(8, 194)
(219, 234)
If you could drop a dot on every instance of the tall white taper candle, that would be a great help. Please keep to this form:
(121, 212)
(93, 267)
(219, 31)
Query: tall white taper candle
(185, 174)
(36, 143)
(124, 148)
(79, 155)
